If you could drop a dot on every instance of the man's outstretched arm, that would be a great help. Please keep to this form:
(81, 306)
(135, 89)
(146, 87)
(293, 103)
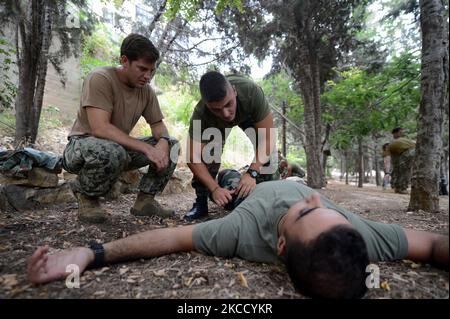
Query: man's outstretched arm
(44, 268)
(427, 247)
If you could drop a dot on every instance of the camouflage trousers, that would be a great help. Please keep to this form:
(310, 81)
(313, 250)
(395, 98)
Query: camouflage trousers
(99, 163)
(401, 169)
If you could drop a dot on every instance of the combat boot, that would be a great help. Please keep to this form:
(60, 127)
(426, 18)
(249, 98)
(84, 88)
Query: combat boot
(198, 210)
(89, 209)
(146, 205)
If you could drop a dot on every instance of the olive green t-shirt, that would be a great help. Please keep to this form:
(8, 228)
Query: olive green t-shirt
(252, 107)
(399, 145)
(103, 89)
(250, 231)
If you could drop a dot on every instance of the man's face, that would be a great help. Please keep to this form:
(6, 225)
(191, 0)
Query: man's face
(399, 134)
(139, 72)
(226, 108)
(308, 218)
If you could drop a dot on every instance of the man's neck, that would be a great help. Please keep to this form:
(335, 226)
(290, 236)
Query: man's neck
(122, 76)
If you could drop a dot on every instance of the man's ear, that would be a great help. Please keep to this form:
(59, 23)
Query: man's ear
(281, 246)
(124, 61)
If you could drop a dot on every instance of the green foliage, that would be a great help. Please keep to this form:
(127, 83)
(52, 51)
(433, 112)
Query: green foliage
(8, 90)
(98, 49)
(189, 9)
(179, 98)
(280, 87)
(7, 123)
(50, 117)
(296, 154)
(359, 103)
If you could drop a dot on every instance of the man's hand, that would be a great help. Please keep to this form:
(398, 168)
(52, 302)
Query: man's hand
(42, 268)
(222, 196)
(246, 185)
(158, 155)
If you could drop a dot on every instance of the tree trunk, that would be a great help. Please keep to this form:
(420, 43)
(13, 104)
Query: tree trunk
(360, 163)
(41, 74)
(346, 167)
(341, 176)
(156, 18)
(444, 156)
(312, 113)
(32, 30)
(434, 81)
(377, 168)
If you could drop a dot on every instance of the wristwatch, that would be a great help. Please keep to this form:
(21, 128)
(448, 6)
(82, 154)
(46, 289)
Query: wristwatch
(253, 172)
(99, 254)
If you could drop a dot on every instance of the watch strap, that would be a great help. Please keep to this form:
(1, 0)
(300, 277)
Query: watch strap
(99, 254)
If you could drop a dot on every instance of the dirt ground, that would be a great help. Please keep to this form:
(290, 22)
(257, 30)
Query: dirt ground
(192, 275)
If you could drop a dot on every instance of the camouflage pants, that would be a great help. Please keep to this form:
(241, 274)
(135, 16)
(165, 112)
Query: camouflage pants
(401, 169)
(99, 163)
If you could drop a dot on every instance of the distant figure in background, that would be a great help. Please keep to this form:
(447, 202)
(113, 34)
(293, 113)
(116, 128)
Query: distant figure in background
(386, 166)
(402, 152)
(287, 170)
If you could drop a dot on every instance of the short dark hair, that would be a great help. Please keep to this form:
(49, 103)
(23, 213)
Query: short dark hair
(397, 129)
(213, 86)
(385, 145)
(136, 46)
(331, 266)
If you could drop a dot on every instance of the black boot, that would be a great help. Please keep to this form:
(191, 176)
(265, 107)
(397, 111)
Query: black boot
(198, 210)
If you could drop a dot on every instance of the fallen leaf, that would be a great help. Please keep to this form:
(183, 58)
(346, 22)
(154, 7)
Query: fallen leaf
(99, 293)
(280, 292)
(3, 248)
(160, 273)
(101, 271)
(398, 277)
(242, 279)
(123, 270)
(9, 280)
(198, 281)
(385, 286)
(415, 266)
(187, 281)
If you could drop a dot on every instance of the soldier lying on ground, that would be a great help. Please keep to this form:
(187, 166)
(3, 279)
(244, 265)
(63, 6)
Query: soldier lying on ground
(325, 248)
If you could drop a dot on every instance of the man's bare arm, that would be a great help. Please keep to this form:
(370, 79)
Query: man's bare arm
(159, 129)
(152, 243)
(196, 165)
(268, 144)
(264, 148)
(427, 247)
(220, 195)
(42, 268)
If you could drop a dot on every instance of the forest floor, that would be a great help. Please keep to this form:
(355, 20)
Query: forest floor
(192, 275)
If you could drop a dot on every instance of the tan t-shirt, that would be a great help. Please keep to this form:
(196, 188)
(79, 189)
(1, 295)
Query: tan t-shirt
(399, 145)
(103, 89)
